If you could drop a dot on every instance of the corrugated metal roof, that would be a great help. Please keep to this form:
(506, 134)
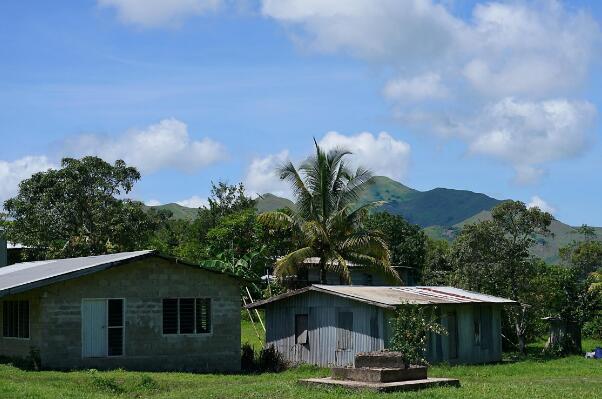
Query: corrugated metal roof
(390, 297)
(315, 260)
(29, 273)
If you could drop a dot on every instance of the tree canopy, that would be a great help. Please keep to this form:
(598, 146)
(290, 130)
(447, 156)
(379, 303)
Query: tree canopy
(77, 210)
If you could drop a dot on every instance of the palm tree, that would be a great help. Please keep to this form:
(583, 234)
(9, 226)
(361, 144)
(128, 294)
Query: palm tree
(327, 219)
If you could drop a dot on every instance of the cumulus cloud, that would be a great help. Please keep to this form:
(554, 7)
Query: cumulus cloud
(11, 173)
(262, 176)
(528, 134)
(423, 87)
(537, 202)
(382, 154)
(166, 144)
(153, 202)
(509, 63)
(193, 202)
(158, 13)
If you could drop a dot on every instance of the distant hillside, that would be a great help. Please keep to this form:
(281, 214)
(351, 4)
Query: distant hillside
(437, 207)
(266, 202)
(178, 211)
(441, 212)
(546, 248)
(270, 202)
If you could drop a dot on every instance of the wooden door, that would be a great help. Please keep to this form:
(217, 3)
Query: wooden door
(94, 327)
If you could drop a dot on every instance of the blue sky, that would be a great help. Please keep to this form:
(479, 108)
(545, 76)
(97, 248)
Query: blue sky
(500, 98)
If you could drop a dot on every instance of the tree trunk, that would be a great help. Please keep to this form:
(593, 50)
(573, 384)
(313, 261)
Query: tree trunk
(522, 346)
(322, 274)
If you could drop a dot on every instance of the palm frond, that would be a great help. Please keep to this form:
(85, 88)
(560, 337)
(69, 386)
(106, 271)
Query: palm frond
(288, 264)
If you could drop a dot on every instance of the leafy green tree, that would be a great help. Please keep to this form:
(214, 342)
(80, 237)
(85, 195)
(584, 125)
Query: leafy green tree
(493, 257)
(76, 210)
(226, 199)
(437, 268)
(571, 299)
(326, 220)
(410, 329)
(407, 242)
(586, 256)
(588, 232)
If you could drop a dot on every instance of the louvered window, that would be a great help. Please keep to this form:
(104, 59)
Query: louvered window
(15, 319)
(186, 315)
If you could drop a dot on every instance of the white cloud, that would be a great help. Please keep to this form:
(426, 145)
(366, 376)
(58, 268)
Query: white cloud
(537, 202)
(423, 87)
(528, 134)
(153, 202)
(11, 174)
(262, 176)
(381, 153)
(166, 144)
(193, 202)
(517, 67)
(158, 13)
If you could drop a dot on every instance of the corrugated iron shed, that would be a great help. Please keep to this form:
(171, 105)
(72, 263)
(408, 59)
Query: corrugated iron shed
(391, 297)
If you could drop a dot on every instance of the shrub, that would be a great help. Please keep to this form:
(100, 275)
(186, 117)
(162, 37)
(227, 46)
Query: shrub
(247, 358)
(410, 328)
(271, 360)
(266, 360)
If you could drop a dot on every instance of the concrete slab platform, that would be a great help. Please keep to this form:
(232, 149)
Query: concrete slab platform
(411, 385)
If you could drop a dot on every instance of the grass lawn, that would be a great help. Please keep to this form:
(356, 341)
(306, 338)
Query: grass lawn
(571, 377)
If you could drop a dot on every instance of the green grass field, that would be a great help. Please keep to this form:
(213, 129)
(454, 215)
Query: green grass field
(571, 377)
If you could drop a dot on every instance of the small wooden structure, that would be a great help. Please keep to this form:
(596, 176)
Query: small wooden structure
(328, 325)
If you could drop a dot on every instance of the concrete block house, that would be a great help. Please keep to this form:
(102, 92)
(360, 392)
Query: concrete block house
(328, 325)
(135, 310)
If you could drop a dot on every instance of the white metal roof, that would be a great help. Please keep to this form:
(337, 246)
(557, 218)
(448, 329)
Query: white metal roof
(27, 274)
(391, 297)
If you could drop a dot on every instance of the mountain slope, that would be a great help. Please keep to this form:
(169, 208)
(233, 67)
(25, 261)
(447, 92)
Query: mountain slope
(441, 212)
(546, 248)
(266, 202)
(270, 202)
(440, 206)
(178, 211)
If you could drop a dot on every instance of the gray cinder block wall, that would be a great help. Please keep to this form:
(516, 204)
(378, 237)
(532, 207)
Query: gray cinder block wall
(56, 328)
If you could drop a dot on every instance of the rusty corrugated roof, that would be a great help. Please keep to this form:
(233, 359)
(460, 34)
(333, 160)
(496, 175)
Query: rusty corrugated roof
(391, 297)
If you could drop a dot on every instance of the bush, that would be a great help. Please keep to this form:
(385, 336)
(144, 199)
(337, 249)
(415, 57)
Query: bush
(271, 360)
(410, 327)
(593, 328)
(247, 358)
(266, 360)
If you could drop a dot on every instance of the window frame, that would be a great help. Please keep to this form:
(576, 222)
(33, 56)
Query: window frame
(28, 338)
(297, 317)
(195, 333)
(115, 327)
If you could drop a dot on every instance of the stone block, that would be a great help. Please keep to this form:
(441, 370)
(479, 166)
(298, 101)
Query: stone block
(380, 359)
(379, 374)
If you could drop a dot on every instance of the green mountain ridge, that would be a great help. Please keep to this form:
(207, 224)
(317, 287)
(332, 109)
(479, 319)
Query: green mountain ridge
(441, 212)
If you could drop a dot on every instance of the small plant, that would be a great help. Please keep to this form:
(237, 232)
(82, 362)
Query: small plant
(410, 328)
(34, 358)
(147, 383)
(271, 360)
(247, 358)
(267, 360)
(106, 383)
